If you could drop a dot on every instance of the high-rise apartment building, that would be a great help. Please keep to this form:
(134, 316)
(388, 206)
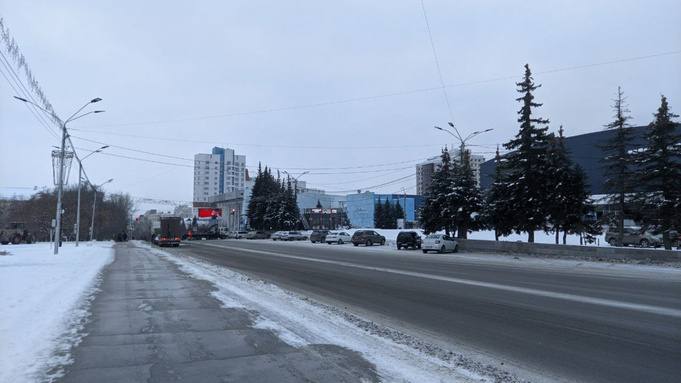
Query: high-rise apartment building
(425, 170)
(217, 173)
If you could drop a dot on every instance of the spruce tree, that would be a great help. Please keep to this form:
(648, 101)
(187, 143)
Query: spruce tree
(560, 177)
(580, 206)
(497, 204)
(659, 166)
(378, 214)
(389, 215)
(617, 162)
(399, 212)
(436, 213)
(525, 166)
(465, 198)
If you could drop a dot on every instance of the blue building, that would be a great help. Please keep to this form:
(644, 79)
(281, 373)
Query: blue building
(360, 206)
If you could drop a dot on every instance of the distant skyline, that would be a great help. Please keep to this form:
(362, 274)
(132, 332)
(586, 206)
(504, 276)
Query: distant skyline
(349, 91)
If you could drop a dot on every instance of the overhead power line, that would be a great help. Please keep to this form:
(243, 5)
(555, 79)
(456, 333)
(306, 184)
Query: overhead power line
(388, 94)
(21, 90)
(189, 140)
(437, 62)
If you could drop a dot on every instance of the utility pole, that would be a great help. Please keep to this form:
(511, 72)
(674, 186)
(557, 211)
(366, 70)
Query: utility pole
(80, 178)
(62, 155)
(60, 188)
(94, 203)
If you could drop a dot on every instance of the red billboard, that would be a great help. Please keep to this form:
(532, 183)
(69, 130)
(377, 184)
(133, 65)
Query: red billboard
(209, 212)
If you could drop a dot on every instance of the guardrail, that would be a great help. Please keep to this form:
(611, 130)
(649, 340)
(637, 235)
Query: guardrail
(552, 250)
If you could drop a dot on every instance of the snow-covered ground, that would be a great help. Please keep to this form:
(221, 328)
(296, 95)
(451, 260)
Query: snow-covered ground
(300, 321)
(43, 297)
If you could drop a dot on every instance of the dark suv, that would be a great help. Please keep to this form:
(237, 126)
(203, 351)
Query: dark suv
(408, 239)
(318, 236)
(367, 237)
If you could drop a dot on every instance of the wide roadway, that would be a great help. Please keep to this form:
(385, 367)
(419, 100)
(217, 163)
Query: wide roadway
(558, 321)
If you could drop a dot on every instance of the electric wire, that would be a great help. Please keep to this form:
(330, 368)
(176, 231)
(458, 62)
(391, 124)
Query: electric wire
(389, 94)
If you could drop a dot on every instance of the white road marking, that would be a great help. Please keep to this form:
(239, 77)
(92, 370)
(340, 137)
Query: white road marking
(665, 311)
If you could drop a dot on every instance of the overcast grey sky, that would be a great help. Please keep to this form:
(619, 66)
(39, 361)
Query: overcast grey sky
(179, 77)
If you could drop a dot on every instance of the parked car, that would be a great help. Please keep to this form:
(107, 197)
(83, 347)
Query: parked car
(240, 234)
(634, 235)
(257, 235)
(279, 235)
(439, 242)
(367, 237)
(339, 237)
(295, 236)
(408, 239)
(318, 236)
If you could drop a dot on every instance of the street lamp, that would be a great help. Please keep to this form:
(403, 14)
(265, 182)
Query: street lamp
(60, 182)
(94, 203)
(80, 178)
(462, 140)
(295, 179)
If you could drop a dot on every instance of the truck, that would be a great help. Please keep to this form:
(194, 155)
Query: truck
(170, 232)
(203, 228)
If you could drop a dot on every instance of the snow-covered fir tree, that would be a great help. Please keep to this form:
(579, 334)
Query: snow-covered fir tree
(435, 214)
(465, 197)
(524, 170)
(498, 208)
(659, 171)
(618, 163)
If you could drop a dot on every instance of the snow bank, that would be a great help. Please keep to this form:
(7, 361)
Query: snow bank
(42, 294)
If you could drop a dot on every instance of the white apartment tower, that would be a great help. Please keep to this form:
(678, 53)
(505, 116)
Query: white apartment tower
(217, 173)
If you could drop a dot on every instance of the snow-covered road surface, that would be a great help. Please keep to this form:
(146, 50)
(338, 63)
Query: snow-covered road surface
(43, 297)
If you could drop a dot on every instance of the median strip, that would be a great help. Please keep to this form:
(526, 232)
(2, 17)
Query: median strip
(670, 312)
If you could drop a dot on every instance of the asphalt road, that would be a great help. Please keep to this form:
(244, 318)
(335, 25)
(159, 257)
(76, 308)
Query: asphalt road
(560, 323)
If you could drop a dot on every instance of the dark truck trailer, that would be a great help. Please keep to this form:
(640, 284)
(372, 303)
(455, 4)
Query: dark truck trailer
(172, 229)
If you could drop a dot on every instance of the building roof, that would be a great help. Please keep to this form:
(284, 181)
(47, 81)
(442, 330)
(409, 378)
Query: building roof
(585, 150)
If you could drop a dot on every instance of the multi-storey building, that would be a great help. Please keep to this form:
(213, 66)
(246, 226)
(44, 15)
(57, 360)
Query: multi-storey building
(426, 169)
(217, 173)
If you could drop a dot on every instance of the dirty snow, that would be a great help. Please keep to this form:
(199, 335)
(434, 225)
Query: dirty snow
(43, 296)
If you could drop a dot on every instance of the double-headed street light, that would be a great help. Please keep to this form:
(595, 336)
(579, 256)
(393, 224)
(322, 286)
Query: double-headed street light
(80, 179)
(62, 153)
(295, 179)
(94, 203)
(462, 140)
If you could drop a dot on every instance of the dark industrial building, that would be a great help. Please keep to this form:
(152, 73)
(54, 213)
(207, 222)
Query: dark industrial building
(585, 151)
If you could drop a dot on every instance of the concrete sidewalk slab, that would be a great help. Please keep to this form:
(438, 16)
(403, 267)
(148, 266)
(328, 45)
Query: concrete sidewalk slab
(151, 322)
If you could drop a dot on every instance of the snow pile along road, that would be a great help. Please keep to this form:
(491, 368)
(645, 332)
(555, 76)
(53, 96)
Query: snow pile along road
(42, 296)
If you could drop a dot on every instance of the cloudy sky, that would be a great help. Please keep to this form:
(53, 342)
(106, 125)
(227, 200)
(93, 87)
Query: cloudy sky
(347, 89)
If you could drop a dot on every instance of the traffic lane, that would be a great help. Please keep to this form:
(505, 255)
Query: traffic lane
(644, 288)
(575, 341)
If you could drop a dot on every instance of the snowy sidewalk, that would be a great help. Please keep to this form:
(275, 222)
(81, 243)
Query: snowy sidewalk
(42, 297)
(152, 322)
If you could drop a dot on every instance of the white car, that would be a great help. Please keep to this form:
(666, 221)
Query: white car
(439, 242)
(339, 237)
(280, 236)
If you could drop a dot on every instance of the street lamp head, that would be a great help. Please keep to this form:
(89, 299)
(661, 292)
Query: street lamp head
(95, 100)
(437, 127)
(21, 99)
(110, 180)
(451, 124)
(104, 147)
(99, 111)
